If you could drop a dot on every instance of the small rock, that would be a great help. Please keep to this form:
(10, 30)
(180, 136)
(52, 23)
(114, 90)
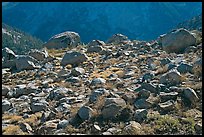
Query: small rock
(63, 124)
(190, 95)
(117, 38)
(85, 112)
(142, 104)
(38, 55)
(150, 87)
(98, 82)
(25, 127)
(73, 58)
(97, 93)
(134, 128)
(129, 97)
(36, 107)
(77, 71)
(25, 62)
(168, 96)
(166, 106)
(5, 90)
(184, 68)
(144, 93)
(6, 105)
(171, 78)
(140, 115)
(165, 61)
(198, 128)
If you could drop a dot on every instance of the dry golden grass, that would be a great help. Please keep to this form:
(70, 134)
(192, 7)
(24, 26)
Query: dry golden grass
(33, 119)
(13, 130)
(12, 118)
(105, 74)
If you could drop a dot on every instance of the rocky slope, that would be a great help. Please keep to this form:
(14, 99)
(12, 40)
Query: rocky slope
(116, 87)
(98, 20)
(19, 41)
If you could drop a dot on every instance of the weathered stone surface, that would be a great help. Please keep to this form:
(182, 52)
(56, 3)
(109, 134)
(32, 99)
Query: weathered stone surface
(38, 55)
(117, 38)
(190, 95)
(5, 90)
(112, 107)
(134, 128)
(142, 104)
(98, 82)
(85, 112)
(25, 62)
(97, 93)
(73, 58)
(6, 105)
(140, 115)
(77, 71)
(177, 41)
(63, 40)
(184, 68)
(171, 78)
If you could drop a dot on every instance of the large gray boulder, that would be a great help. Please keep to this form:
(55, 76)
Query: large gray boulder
(63, 40)
(117, 38)
(177, 41)
(25, 62)
(73, 58)
(171, 78)
(85, 112)
(112, 107)
(95, 46)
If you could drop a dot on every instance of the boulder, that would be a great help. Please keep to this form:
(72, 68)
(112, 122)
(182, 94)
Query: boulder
(117, 38)
(184, 68)
(98, 82)
(142, 104)
(85, 112)
(36, 107)
(112, 107)
(171, 78)
(25, 62)
(6, 105)
(140, 115)
(190, 95)
(63, 40)
(5, 90)
(38, 55)
(177, 41)
(97, 93)
(133, 128)
(95, 46)
(63, 124)
(73, 58)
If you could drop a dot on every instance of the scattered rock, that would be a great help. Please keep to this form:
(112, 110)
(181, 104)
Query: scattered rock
(85, 112)
(38, 55)
(36, 107)
(140, 115)
(190, 95)
(142, 104)
(97, 93)
(25, 62)
(112, 107)
(77, 71)
(171, 78)
(98, 82)
(5, 90)
(184, 68)
(63, 124)
(167, 106)
(6, 105)
(117, 38)
(134, 128)
(73, 58)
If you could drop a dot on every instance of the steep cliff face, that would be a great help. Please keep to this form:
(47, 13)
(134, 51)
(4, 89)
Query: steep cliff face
(98, 20)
